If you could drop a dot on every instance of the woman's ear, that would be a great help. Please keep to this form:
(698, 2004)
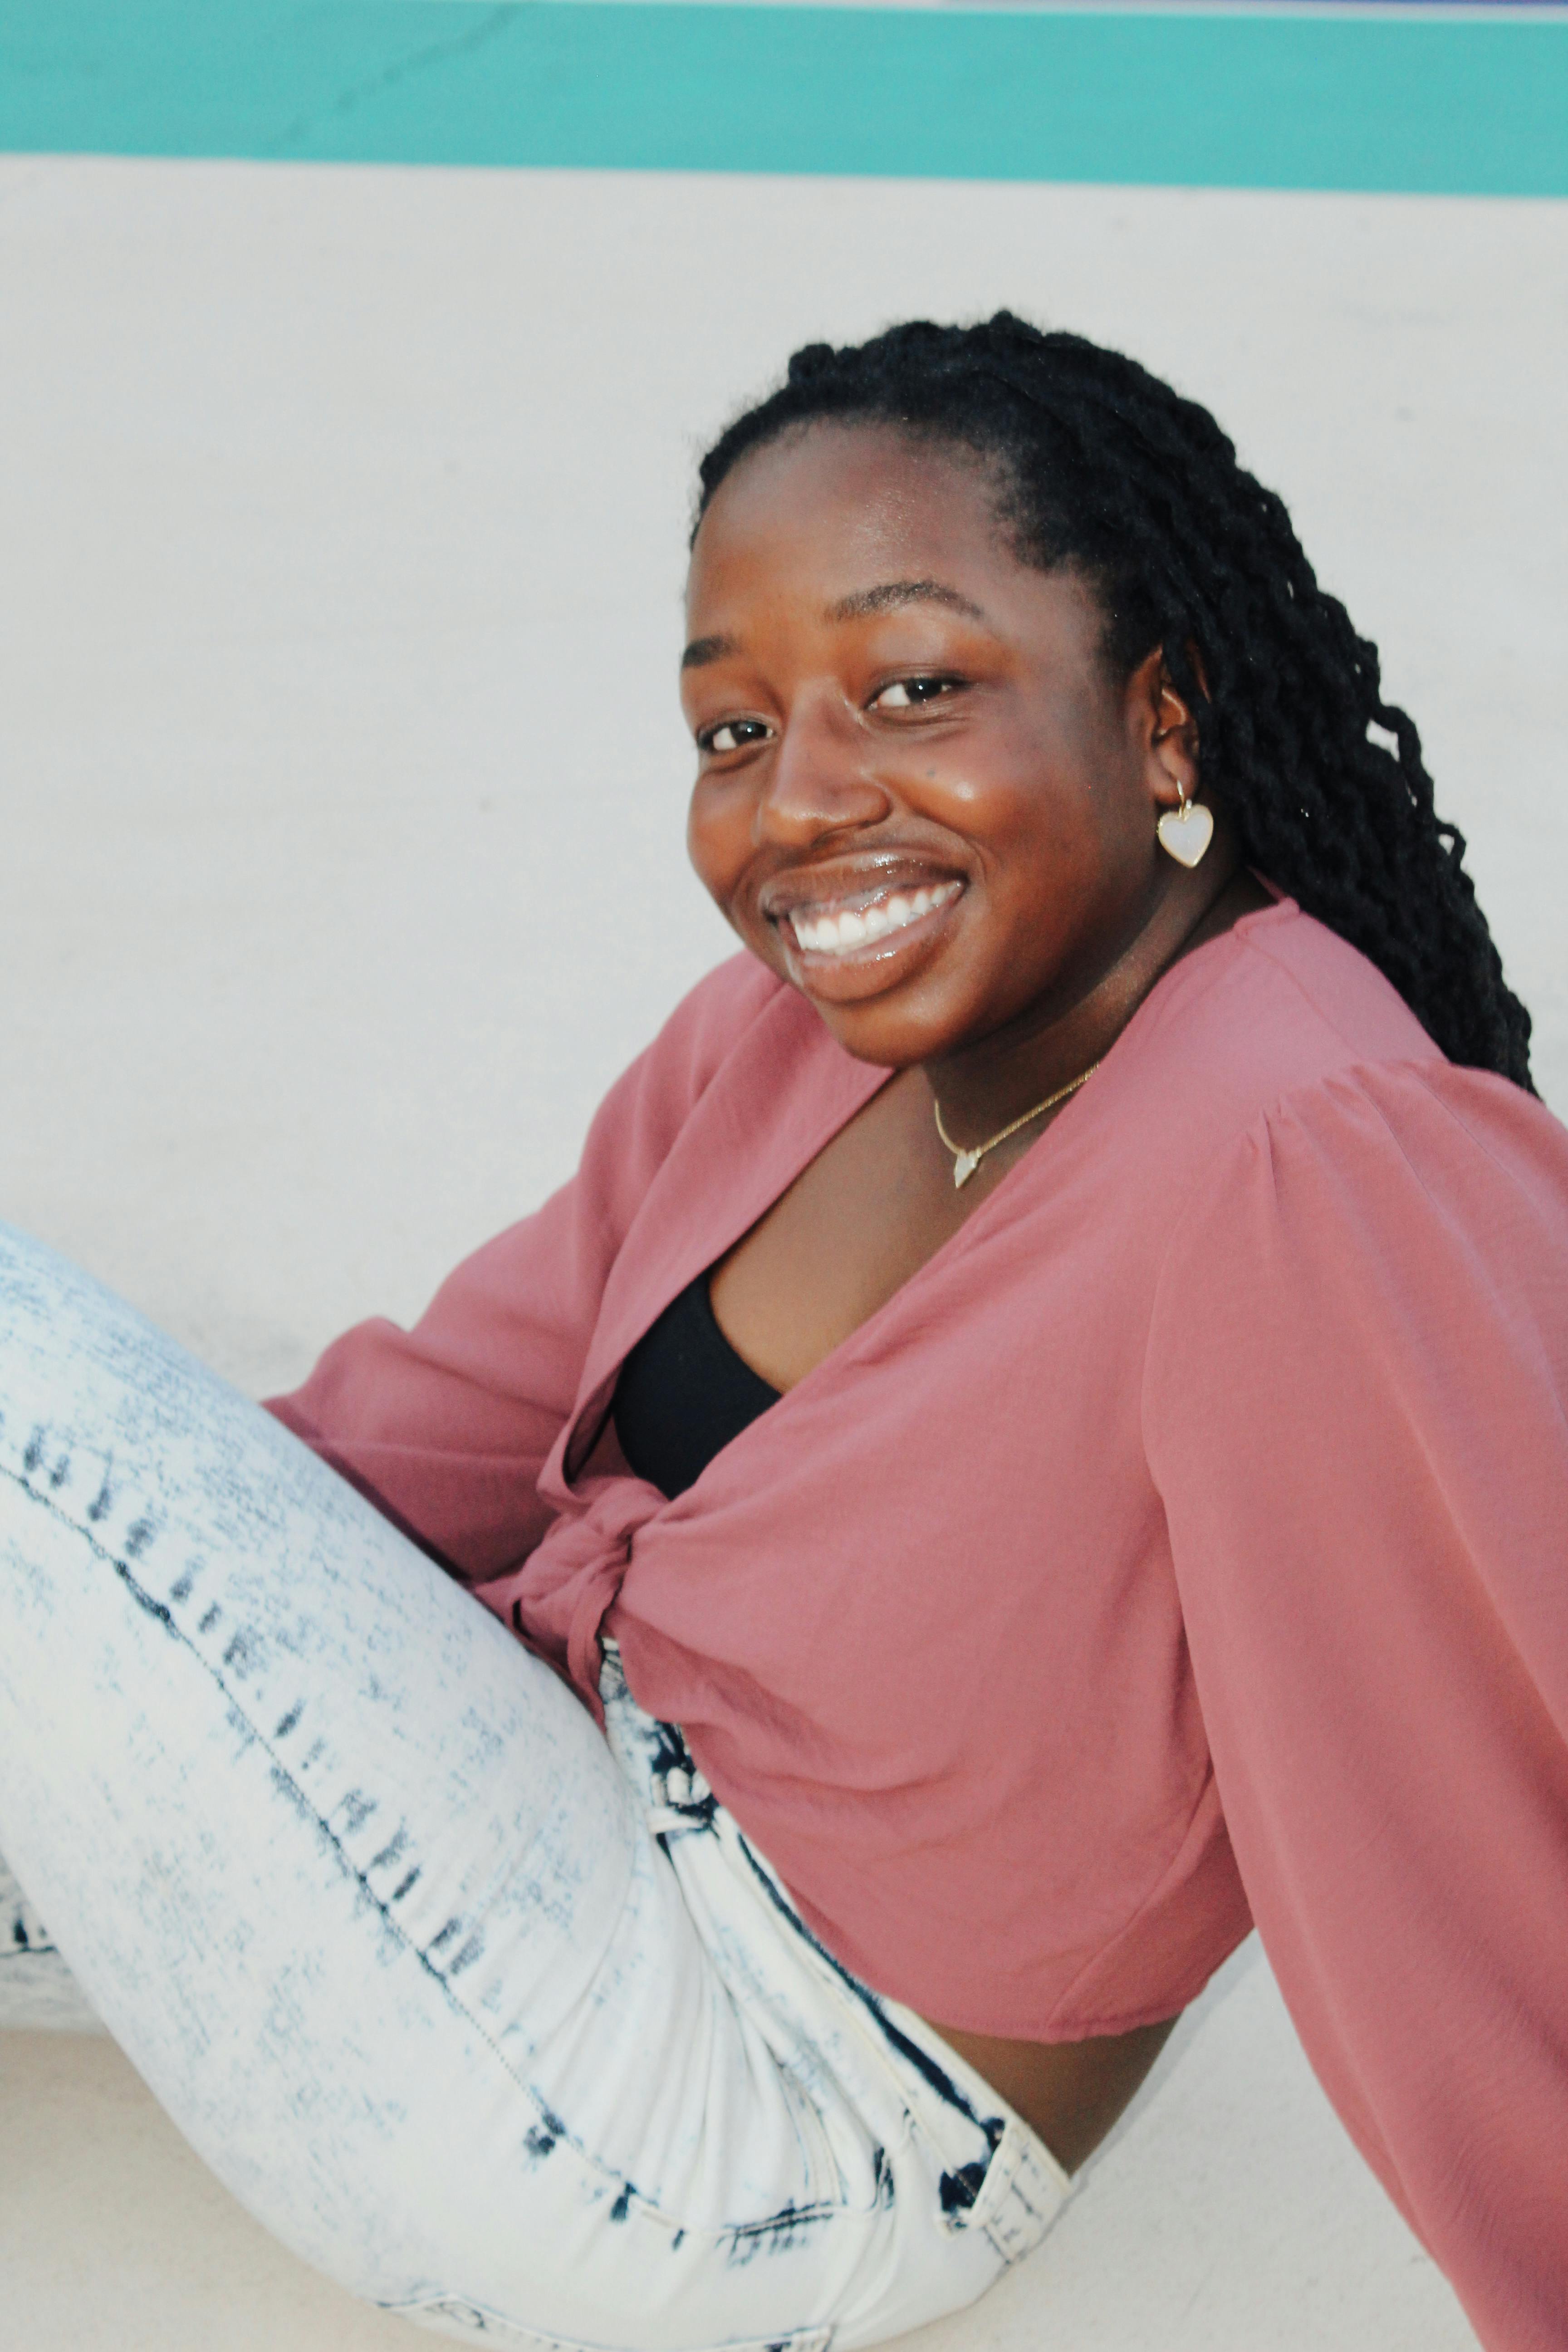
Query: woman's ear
(1165, 730)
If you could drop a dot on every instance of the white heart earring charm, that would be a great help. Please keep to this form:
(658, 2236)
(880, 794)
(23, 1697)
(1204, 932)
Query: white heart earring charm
(1187, 831)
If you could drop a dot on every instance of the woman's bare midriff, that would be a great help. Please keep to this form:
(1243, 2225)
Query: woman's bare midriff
(1069, 2092)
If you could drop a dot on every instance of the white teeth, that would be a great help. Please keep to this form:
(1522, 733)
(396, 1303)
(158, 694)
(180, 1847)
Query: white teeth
(826, 934)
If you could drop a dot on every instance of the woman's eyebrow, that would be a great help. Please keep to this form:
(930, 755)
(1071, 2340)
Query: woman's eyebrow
(884, 597)
(891, 594)
(707, 649)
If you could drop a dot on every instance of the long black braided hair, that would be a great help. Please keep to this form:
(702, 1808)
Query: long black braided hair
(1101, 466)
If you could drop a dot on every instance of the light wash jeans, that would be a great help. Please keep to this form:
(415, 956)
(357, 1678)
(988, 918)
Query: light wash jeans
(503, 2025)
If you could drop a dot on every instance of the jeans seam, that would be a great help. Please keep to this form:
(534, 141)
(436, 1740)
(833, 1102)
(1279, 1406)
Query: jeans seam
(934, 2077)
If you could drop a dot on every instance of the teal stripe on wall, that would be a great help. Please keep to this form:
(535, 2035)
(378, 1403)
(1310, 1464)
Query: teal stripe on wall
(1269, 102)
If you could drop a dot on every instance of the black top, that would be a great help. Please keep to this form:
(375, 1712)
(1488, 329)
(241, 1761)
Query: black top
(684, 1393)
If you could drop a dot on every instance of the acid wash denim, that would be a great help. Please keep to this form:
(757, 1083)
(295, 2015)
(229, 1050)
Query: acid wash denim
(502, 2024)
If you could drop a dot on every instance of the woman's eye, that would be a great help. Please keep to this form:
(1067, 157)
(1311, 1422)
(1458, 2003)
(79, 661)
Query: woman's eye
(732, 735)
(905, 693)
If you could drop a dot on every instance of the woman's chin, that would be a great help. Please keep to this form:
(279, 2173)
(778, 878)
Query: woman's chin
(895, 1029)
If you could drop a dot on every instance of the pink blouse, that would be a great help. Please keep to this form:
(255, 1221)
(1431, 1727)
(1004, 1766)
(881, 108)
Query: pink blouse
(1184, 1545)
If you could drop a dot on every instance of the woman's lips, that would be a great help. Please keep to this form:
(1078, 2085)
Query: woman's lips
(853, 944)
(839, 929)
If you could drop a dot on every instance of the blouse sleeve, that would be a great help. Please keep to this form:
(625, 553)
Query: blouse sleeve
(1354, 1411)
(447, 1427)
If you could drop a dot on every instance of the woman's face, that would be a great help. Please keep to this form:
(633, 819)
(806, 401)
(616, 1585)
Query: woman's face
(921, 797)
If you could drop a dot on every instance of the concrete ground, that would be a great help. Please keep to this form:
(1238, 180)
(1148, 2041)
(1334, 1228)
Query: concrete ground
(343, 514)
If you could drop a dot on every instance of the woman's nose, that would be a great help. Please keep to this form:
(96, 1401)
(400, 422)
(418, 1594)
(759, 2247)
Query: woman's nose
(824, 775)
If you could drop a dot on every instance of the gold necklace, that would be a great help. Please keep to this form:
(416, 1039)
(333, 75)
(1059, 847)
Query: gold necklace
(964, 1163)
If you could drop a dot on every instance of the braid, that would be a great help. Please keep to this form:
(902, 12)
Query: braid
(1103, 466)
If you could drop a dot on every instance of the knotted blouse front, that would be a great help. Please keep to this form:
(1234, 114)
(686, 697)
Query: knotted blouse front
(1184, 1545)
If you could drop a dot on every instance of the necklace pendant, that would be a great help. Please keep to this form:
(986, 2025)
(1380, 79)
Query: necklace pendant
(964, 1167)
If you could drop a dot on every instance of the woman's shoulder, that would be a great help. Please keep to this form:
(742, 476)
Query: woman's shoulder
(1342, 1136)
(732, 1010)
(1422, 1159)
(1280, 1000)
(1330, 1047)
(718, 1010)
(1277, 1067)
(740, 1051)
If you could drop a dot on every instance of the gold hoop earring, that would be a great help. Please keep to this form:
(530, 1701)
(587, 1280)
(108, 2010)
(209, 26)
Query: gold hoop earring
(1187, 831)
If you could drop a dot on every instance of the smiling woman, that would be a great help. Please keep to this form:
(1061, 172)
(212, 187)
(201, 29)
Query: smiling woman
(1035, 1435)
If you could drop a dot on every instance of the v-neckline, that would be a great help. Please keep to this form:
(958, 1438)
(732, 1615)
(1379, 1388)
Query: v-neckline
(859, 1083)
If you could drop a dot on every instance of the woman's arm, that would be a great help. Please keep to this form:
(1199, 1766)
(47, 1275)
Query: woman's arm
(447, 1427)
(1354, 1412)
